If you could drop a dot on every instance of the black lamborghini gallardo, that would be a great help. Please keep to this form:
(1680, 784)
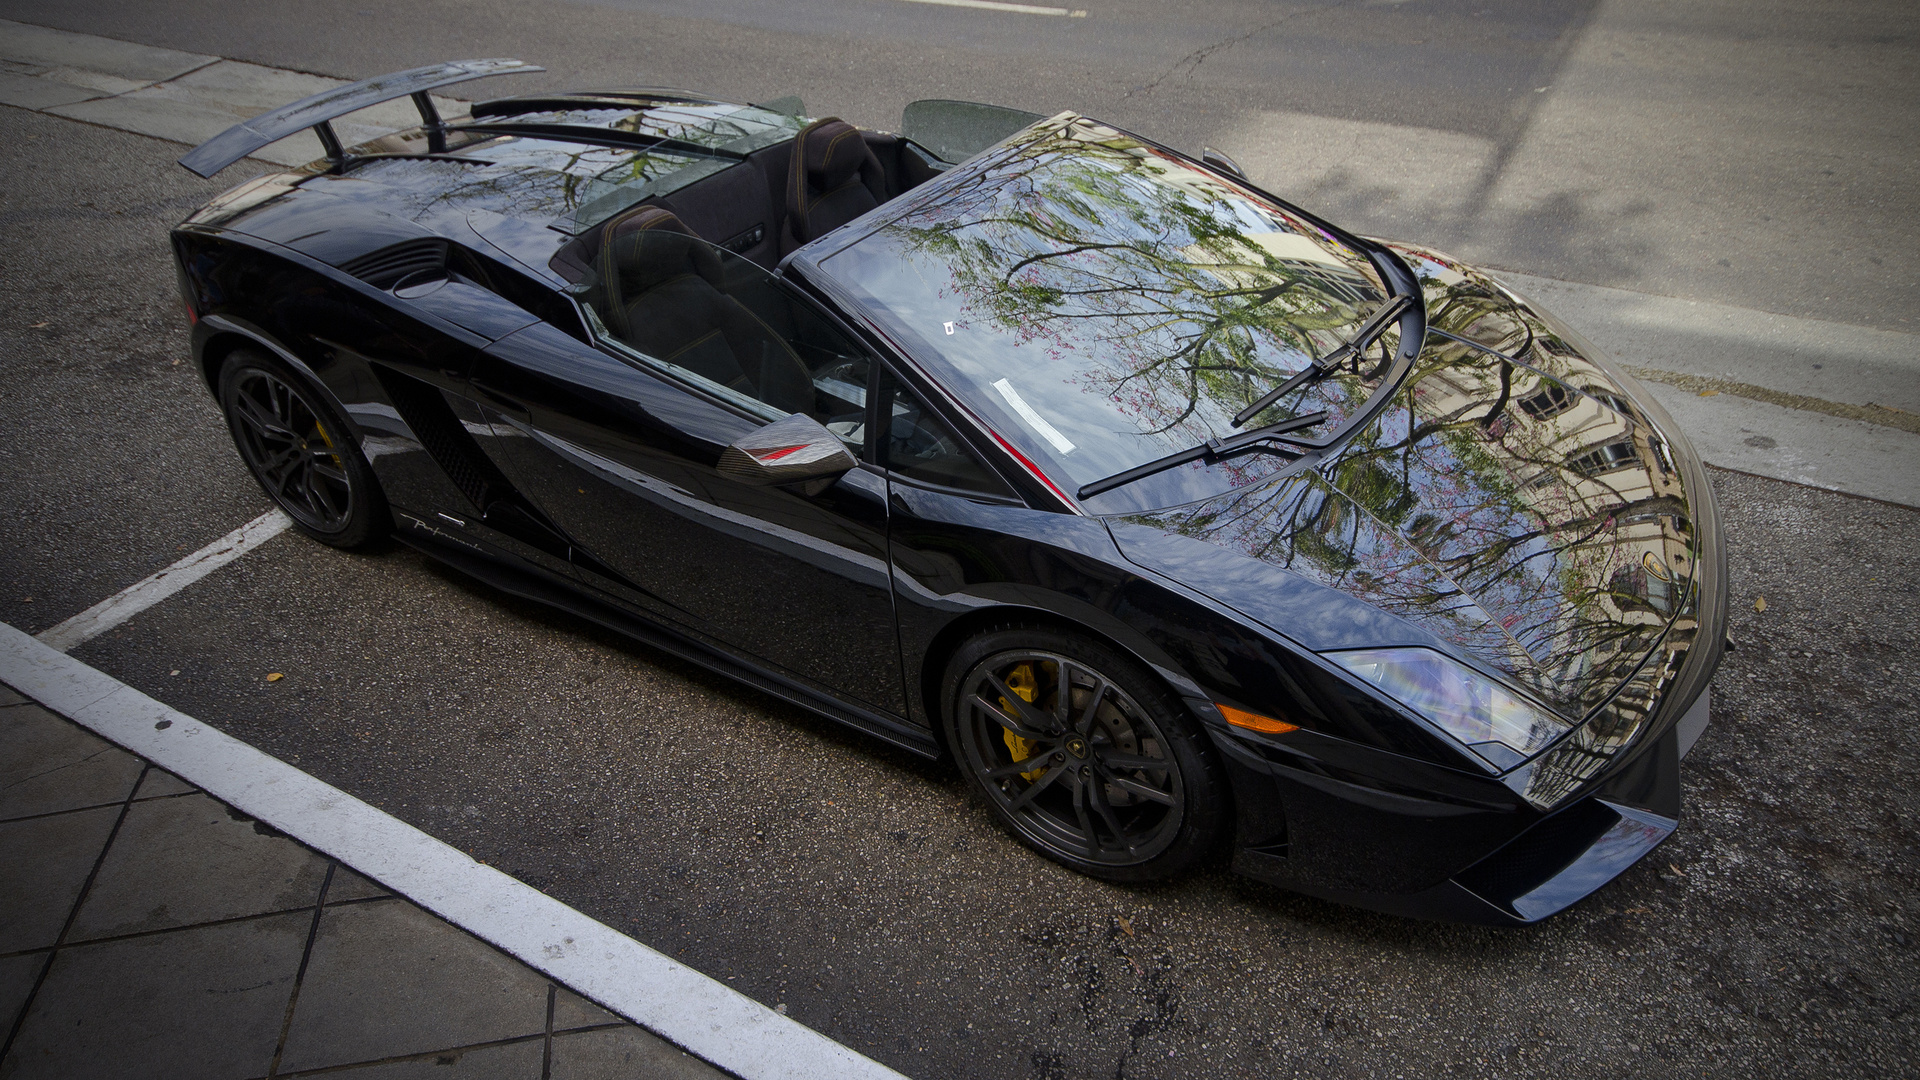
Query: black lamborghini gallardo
(1180, 520)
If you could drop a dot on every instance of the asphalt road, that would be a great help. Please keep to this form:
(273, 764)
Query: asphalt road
(812, 867)
(1759, 154)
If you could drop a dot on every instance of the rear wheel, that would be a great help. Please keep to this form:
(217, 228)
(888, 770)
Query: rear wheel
(1086, 757)
(297, 446)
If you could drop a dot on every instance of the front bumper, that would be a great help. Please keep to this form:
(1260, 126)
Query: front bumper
(1569, 855)
(1557, 861)
(1569, 829)
(1368, 829)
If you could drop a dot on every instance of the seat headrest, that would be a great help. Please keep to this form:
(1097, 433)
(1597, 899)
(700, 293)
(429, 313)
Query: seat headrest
(590, 252)
(645, 248)
(834, 153)
(646, 218)
(643, 258)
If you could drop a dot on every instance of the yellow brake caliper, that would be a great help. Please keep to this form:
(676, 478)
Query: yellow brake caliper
(1022, 682)
(322, 429)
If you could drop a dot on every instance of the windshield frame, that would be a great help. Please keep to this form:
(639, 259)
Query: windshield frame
(807, 262)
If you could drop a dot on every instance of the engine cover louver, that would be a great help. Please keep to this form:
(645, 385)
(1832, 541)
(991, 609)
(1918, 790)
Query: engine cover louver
(387, 267)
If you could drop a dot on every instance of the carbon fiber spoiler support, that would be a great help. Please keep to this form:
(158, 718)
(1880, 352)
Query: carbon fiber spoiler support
(318, 112)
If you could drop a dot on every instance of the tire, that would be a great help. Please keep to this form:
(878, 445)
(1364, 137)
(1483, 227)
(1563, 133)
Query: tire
(1126, 786)
(300, 450)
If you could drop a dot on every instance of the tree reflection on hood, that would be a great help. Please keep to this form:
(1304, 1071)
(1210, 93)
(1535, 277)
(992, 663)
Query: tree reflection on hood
(1139, 302)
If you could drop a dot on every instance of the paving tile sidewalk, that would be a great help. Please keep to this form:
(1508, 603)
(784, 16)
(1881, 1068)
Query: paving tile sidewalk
(149, 930)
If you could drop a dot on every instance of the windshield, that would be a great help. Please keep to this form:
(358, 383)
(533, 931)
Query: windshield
(1104, 304)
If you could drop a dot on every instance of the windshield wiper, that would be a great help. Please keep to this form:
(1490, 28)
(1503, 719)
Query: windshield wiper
(1211, 451)
(1375, 325)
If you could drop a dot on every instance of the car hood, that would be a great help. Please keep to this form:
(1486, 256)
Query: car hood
(1515, 507)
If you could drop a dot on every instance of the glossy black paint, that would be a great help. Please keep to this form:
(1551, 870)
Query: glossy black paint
(626, 465)
(513, 447)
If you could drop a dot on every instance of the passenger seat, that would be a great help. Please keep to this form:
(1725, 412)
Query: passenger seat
(833, 178)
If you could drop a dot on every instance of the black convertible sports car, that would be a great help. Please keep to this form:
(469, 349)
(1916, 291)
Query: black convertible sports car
(1177, 517)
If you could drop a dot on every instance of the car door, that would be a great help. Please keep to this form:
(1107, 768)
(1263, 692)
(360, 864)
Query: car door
(618, 442)
(954, 524)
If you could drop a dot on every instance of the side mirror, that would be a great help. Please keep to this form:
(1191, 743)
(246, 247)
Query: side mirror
(796, 450)
(1218, 160)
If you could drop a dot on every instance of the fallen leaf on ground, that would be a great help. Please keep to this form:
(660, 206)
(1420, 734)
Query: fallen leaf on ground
(1676, 870)
(38, 326)
(1759, 603)
(275, 676)
(1709, 393)
(1125, 926)
(1639, 911)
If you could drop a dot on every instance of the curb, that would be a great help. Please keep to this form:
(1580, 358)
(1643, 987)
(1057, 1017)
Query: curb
(702, 1016)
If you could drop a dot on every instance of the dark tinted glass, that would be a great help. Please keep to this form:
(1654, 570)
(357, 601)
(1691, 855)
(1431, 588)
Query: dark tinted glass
(712, 318)
(920, 446)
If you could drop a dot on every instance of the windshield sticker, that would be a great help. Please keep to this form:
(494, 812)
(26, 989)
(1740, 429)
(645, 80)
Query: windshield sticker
(1034, 420)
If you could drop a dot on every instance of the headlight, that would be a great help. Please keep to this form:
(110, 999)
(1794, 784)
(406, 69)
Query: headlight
(1490, 719)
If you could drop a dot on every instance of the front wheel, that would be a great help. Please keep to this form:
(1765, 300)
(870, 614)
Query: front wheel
(298, 448)
(1083, 755)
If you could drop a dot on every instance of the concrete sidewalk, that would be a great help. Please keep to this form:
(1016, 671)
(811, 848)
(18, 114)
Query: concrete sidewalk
(168, 94)
(149, 930)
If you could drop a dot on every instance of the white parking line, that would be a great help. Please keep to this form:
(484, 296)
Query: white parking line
(156, 587)
(1018, 9)
(705, 1017)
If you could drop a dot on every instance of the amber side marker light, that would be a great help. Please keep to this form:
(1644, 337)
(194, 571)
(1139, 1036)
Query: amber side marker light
(1265, 725)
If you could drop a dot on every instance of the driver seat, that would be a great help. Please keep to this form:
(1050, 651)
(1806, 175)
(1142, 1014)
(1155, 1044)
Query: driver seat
(832, 179)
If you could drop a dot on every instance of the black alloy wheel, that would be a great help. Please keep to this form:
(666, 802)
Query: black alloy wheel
(298, 448)
(1084, 756)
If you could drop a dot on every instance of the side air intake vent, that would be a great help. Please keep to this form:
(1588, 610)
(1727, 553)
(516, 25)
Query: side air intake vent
(443, 437)
(387, 267)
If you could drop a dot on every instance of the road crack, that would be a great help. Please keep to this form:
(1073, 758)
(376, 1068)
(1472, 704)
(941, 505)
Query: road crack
(1191, 62)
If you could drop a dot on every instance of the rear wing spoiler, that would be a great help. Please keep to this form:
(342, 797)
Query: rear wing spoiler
(317, 111)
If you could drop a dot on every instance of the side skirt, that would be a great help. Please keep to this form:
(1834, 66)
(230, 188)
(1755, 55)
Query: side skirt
(533, 584)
